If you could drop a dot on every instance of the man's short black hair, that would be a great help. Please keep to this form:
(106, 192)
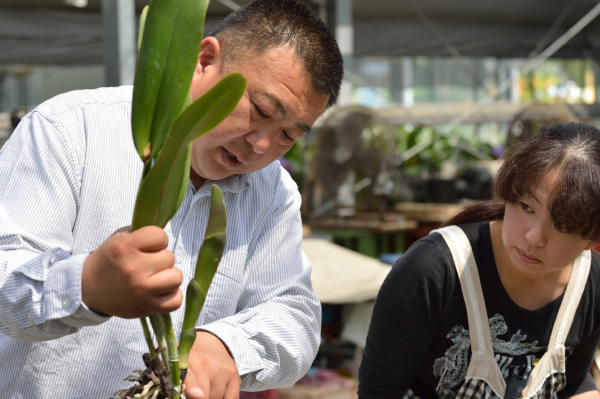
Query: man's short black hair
(266, 24)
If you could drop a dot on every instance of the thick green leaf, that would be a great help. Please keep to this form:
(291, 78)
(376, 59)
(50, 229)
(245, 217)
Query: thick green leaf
(150, 66)
(152, 199)
(207, 111)
(142, 25)
(169, 51)
(160, 193)
(181, 63)
(209, 256)
(208, 260)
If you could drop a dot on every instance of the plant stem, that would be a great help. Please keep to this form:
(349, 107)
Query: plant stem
(159, 331)
(148, 336)
(173, 363)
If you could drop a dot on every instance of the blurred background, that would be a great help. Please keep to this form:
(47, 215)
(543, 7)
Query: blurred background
(434, 92)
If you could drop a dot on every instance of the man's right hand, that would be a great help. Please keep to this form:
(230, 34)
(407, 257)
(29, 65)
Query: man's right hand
(132, 274)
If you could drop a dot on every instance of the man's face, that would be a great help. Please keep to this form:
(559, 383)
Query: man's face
(278, 108)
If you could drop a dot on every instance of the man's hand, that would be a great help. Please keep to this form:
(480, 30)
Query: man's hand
(587, 395)
(132, 274)
(212, 373)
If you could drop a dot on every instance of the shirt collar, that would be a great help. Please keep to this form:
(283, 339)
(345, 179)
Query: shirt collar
(232, 184)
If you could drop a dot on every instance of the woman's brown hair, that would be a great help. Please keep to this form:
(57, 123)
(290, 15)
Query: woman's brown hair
(572, 149)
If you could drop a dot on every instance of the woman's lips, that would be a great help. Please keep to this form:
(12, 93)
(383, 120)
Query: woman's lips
(526, 257)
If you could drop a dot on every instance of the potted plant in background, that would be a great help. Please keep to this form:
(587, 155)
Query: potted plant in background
(431, 173)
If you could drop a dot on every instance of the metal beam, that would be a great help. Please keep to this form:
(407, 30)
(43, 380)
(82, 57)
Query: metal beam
(120, 48)
(344, 34)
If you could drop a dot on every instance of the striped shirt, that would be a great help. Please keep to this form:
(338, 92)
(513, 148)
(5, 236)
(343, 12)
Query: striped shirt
(68, 179)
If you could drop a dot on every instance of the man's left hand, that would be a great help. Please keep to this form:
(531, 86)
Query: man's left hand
(212, 373)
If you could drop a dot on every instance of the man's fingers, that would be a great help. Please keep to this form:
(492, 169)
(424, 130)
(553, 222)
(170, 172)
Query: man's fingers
(166, 288)
(148, 239)
(168, 302)
(195, 387)
(164, 280)
(218, 388)
(195, 393)
(232, 391)
(125, 229)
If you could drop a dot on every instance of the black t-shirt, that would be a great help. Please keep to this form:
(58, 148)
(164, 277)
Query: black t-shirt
(419, 337)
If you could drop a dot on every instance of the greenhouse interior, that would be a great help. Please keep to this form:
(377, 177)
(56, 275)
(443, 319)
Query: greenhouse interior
(434, 92)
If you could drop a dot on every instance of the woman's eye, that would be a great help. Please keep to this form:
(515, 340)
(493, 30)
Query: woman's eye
(561, 228)
(525, 207)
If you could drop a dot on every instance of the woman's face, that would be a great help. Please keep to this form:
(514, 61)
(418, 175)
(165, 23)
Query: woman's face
(532, 242)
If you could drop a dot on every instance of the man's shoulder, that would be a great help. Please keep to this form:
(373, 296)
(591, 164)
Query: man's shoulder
(65, 102)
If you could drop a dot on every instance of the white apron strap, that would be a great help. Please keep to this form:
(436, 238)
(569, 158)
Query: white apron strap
(553, 361)
(482, 364)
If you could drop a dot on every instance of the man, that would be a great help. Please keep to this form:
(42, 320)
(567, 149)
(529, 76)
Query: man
(71, 289)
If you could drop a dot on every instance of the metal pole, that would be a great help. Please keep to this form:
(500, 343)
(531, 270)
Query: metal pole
(344, 34)
(120, 48)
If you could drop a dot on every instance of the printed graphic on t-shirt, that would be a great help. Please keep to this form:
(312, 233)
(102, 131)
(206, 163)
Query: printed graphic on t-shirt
(452, 367)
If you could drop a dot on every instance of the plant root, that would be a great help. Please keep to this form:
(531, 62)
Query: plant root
(152, 383)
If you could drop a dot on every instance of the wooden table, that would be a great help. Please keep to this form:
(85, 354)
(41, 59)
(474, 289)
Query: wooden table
(428, 215)
(427, 212)
(369, 233)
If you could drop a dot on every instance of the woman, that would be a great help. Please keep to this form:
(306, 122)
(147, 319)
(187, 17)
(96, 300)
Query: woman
(529, 285)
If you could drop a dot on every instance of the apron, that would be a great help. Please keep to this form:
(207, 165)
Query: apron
(484, 378)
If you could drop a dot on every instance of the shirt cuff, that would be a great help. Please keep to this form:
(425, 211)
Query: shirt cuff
(63, 299)
(84, 317)
(246, 358)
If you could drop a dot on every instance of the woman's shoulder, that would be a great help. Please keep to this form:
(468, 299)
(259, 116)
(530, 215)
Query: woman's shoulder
(428, 260)
(595, 259)
(591, 295)
(594, 276)
(478, 234)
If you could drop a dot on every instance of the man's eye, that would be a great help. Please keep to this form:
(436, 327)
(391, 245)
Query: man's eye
(287, 137)
(260, 112)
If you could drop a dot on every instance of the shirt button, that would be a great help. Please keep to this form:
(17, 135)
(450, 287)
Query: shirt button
(65, 303)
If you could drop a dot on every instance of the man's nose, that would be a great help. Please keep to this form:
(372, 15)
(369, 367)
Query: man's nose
(260, 140)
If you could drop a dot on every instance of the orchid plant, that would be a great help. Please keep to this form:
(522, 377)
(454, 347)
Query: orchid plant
(164, 125)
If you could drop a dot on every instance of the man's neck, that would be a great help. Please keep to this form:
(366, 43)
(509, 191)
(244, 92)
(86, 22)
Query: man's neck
(197, 180)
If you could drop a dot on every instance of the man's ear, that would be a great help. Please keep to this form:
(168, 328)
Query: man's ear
(210, 54)
(208, 67)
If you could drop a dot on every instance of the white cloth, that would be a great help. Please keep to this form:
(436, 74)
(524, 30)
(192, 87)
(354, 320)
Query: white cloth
(68, 179)
(342, 276)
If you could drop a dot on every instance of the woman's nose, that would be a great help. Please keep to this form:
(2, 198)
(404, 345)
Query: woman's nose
(535, 236)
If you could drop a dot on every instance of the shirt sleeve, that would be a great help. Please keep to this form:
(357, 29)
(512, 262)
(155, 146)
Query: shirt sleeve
(40, 282)
(275, 335)
(404, 318)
